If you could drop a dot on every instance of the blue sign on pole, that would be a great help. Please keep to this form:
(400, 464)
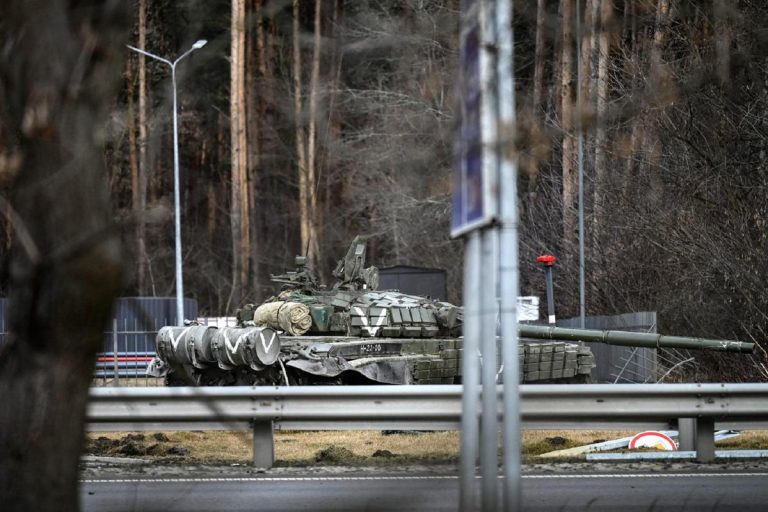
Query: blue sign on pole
(471, 194)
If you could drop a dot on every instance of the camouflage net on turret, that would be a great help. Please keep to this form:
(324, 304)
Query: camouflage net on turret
(290, 317)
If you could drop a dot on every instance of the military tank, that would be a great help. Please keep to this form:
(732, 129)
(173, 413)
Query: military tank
(353, 333)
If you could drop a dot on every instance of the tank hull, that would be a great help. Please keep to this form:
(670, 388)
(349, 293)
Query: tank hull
(314, 360)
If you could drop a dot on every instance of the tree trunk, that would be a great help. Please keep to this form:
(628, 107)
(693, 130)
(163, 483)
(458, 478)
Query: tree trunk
(141, 204)
(601, 249)
(301, 150)
(244, 152)
(588, 45)
(629, 35)
(65, 265)
(538, 59)
(133, 159)
(659, 36)
(723, 42)
(313, 254)
(213, 197)
(661, 80)
(534, 117)
(254, 81)
(606, 20)
(239, 154)
(644, 132)
(567, 93)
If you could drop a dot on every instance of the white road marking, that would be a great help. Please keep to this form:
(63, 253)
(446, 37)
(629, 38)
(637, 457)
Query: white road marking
(425, 477)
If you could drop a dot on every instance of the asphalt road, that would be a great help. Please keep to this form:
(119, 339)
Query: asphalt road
(568, 492)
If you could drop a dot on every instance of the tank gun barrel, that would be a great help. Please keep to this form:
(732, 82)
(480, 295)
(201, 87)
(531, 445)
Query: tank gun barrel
(633, 339)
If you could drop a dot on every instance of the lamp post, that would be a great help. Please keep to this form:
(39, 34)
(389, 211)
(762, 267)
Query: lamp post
(176, 194)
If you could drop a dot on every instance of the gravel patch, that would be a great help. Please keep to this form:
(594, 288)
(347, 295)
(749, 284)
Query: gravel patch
(107, 467)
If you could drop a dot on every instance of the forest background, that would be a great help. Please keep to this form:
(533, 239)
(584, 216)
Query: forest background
(304, 123)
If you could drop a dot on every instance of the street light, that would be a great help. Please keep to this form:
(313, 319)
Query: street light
(176, 201)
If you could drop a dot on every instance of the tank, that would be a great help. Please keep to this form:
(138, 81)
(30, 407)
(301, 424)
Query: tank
(353, 333)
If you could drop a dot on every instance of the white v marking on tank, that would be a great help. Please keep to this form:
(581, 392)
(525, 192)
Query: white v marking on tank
(372, 330)
(264, 342)
(175, 342)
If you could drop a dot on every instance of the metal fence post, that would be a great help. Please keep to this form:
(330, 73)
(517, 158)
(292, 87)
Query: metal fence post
(114, 352)
(263, 444)
(686, 428)
(697, 434)
(705, 439)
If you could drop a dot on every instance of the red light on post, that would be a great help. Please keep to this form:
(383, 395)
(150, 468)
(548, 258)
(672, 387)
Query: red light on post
(547, 259)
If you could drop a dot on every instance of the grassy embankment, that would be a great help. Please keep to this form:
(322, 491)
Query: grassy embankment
(340, 448)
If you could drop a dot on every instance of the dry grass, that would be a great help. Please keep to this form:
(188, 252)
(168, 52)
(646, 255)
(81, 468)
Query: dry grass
(536, 442)
(291, 448)
(424, 447)
(751, 440)
(349, 447)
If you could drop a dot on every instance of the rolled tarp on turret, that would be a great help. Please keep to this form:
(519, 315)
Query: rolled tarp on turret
(293, 318)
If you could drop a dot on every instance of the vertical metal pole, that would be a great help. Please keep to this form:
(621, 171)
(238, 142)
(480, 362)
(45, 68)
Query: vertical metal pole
(470, 426)
(550, 295)
(263, 444)
(580, 130)
(489, 119)
(508, 260)
(686, 434)
(705, 439)
(176, 189)
(177, 206)
(489, 426)
(114, 352)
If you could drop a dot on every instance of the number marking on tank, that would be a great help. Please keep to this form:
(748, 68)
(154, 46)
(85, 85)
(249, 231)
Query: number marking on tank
(370, 348)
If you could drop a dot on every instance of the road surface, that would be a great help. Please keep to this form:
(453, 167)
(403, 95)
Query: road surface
(562, 492)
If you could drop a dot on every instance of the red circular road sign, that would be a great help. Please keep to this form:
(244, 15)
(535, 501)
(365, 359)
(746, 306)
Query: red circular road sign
(652, 439)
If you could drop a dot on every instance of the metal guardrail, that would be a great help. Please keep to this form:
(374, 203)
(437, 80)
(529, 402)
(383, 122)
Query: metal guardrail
(693, 408)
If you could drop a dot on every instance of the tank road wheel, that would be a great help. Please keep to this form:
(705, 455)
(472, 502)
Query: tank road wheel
(173, 379)
(299, 378)
(181, 376)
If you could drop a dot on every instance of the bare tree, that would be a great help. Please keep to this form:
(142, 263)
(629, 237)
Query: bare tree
(568, 88)
(601, 137)
(306, 136)
(57, 82)
(240, 212)
(300, 133)
(313, 252)
(140, 203)
(538, 60)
